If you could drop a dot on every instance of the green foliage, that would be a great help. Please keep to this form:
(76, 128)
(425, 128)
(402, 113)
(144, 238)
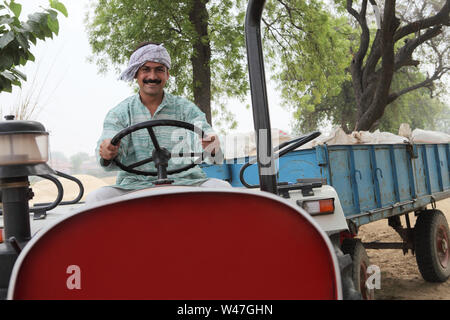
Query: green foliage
(312, 47)
(308, 51)
(331, 109)
(416, 108)
(116, 27)
(307, 48)
(335, 110)
(223, 119)
(55, 4)
(16, 37)
(421, 40)
(443, 123)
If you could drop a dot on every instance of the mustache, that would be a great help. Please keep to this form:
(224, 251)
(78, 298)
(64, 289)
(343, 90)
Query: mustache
(152, 81)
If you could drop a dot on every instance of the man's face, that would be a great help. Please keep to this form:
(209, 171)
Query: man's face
(152, 78)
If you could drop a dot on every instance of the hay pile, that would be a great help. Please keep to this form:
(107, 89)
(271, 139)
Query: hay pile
(46, 191)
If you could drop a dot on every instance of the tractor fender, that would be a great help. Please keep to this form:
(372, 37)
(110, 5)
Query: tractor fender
(180, 243)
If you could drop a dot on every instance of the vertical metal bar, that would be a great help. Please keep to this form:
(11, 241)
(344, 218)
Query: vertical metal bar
(374, 175)
(261, 117)
(327, 157)
(447, 153)
(412, 185)
(16, 214)
(229, 171)
(353, 178)
(322, 161)
(320, 155)
(408, 222)
(426, 168)
(438, 166)
(394, 173)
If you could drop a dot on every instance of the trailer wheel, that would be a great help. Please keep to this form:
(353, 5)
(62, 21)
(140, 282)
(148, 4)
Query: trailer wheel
(431, 239)
(360, 263)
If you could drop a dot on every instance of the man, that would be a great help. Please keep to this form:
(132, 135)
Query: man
(149, 65)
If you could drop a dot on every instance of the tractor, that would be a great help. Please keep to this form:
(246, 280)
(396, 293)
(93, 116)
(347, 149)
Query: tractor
(167, 242)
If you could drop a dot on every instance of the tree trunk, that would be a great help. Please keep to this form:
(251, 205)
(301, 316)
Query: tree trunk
(378, 97)
(201, 57)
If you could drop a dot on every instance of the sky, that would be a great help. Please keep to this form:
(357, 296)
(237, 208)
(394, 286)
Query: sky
(74, 98)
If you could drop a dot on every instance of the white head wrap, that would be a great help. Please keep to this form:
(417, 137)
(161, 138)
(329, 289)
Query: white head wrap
(151, 52)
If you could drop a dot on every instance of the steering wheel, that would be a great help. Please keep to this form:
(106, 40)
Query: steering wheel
(285, 148)
(160, 155)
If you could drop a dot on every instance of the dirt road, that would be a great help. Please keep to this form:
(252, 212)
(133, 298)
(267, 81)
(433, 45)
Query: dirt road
(400, 277)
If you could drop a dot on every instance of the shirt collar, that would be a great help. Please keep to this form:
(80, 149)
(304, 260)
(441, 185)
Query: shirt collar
(164, 102)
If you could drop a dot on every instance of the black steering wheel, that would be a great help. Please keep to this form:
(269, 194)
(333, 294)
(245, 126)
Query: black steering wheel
(160, 155)
(283, 149)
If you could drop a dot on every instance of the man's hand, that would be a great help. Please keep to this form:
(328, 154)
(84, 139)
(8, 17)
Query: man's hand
(107, 150)
(211, 144)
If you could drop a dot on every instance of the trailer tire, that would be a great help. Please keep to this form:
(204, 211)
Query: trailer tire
(431, 240)
(360, 263)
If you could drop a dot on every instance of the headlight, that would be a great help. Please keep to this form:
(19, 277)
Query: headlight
(23, 148)
(23, 142)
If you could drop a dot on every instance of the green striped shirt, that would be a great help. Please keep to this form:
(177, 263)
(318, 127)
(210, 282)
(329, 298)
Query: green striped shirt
(138, 146)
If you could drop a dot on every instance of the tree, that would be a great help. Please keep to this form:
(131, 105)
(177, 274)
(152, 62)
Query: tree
(16, 37)
(58, 156)
(204, 37)
(332, 110)
(443, 124)
(77, 159)
(418, 108)
(355, 102)
(307, 50)
(394, 47)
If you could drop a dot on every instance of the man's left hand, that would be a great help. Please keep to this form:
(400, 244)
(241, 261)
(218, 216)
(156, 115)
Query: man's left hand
(211, 144)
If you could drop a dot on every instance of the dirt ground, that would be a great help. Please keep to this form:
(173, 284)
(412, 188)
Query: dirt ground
(400, 276)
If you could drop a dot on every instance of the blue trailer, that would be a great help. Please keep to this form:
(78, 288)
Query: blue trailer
(373, 182)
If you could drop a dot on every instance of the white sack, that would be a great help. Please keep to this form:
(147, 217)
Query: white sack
(425, 136)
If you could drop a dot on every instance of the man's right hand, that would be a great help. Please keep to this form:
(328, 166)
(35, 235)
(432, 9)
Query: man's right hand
(107, 150)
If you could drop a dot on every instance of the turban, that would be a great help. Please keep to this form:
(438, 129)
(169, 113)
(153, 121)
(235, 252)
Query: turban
(151, 52)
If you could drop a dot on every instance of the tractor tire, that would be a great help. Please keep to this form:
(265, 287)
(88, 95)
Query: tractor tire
(431, 240)
(360, 263)
(345, 268)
